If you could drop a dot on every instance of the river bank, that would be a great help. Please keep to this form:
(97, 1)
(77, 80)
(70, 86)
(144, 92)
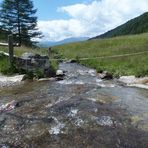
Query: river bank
(130, 81)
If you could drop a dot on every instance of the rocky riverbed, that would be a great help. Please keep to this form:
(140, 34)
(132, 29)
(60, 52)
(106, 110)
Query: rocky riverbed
(80, 111)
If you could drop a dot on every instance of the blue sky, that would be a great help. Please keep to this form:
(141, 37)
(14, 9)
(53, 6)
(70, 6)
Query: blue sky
(60, 19)
(48, 9)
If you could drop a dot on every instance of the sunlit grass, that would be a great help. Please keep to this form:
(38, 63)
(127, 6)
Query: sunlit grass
(126, 65)
(20, 50)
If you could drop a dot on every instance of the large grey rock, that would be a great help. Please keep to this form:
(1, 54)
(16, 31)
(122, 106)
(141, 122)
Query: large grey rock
(34, 62)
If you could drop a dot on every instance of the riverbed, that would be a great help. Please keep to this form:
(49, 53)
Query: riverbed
(79, 111)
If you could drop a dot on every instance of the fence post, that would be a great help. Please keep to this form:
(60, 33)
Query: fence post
(10, 46)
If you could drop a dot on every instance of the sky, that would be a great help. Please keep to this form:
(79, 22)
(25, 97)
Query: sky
(60, 19)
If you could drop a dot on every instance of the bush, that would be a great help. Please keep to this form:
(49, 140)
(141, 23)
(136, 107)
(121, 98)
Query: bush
(53, 68)
(142, 72)
(9, 70)
(29, 75)
(5, 67)
(39, 73)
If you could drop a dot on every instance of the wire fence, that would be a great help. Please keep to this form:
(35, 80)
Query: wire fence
(102, 57)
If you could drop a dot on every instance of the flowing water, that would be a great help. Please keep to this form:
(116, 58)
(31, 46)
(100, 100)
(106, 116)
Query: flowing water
(79, 111)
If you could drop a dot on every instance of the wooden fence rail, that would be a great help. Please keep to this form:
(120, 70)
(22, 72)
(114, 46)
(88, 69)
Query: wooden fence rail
(4, 44)
(10, 48)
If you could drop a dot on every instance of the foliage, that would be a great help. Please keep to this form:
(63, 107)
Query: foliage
(29, 75)
(18, 17)
(135, 26)
(39, 73)
(5, 67)
(4, 35)
(54, 67)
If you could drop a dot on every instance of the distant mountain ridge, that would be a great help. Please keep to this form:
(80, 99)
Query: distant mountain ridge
(134, 26)
(65, 41)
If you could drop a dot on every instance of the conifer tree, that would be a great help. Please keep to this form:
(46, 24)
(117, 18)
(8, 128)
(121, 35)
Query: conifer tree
(18, 17)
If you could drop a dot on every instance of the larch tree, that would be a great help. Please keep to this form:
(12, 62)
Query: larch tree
(18, 17)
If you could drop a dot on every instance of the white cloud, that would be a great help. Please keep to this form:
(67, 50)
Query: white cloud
(92, 19)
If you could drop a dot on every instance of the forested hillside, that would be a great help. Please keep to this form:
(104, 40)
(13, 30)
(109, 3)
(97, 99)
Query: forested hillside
(135, 26)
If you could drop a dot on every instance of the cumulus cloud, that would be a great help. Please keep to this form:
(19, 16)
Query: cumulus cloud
(87, 20)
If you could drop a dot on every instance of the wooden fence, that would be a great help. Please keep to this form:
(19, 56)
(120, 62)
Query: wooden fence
(10, 46)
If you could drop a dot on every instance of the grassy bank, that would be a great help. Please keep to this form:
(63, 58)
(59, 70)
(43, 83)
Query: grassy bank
(5, 65)
(125, 65)
(20, 50)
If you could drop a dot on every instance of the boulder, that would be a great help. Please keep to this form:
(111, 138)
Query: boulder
(142, 80)
(9, 106)
(72, 61)
(32, 62)
(133, 80)
(127, 79)
(59, 73)
(105, 75)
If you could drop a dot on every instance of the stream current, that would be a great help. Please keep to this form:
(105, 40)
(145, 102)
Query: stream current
(79, 111)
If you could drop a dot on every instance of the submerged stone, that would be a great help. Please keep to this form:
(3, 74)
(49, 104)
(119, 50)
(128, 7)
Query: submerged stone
(8, 106)
(105, 121)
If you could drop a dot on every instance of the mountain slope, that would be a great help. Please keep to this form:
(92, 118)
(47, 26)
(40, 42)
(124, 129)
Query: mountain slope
(135, 26)
(65, 41)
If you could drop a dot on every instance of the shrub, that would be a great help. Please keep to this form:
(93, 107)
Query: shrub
(5, 67)
(39, 73)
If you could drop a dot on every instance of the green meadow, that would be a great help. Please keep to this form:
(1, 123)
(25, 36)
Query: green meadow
(102, 54)
(133, 64)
